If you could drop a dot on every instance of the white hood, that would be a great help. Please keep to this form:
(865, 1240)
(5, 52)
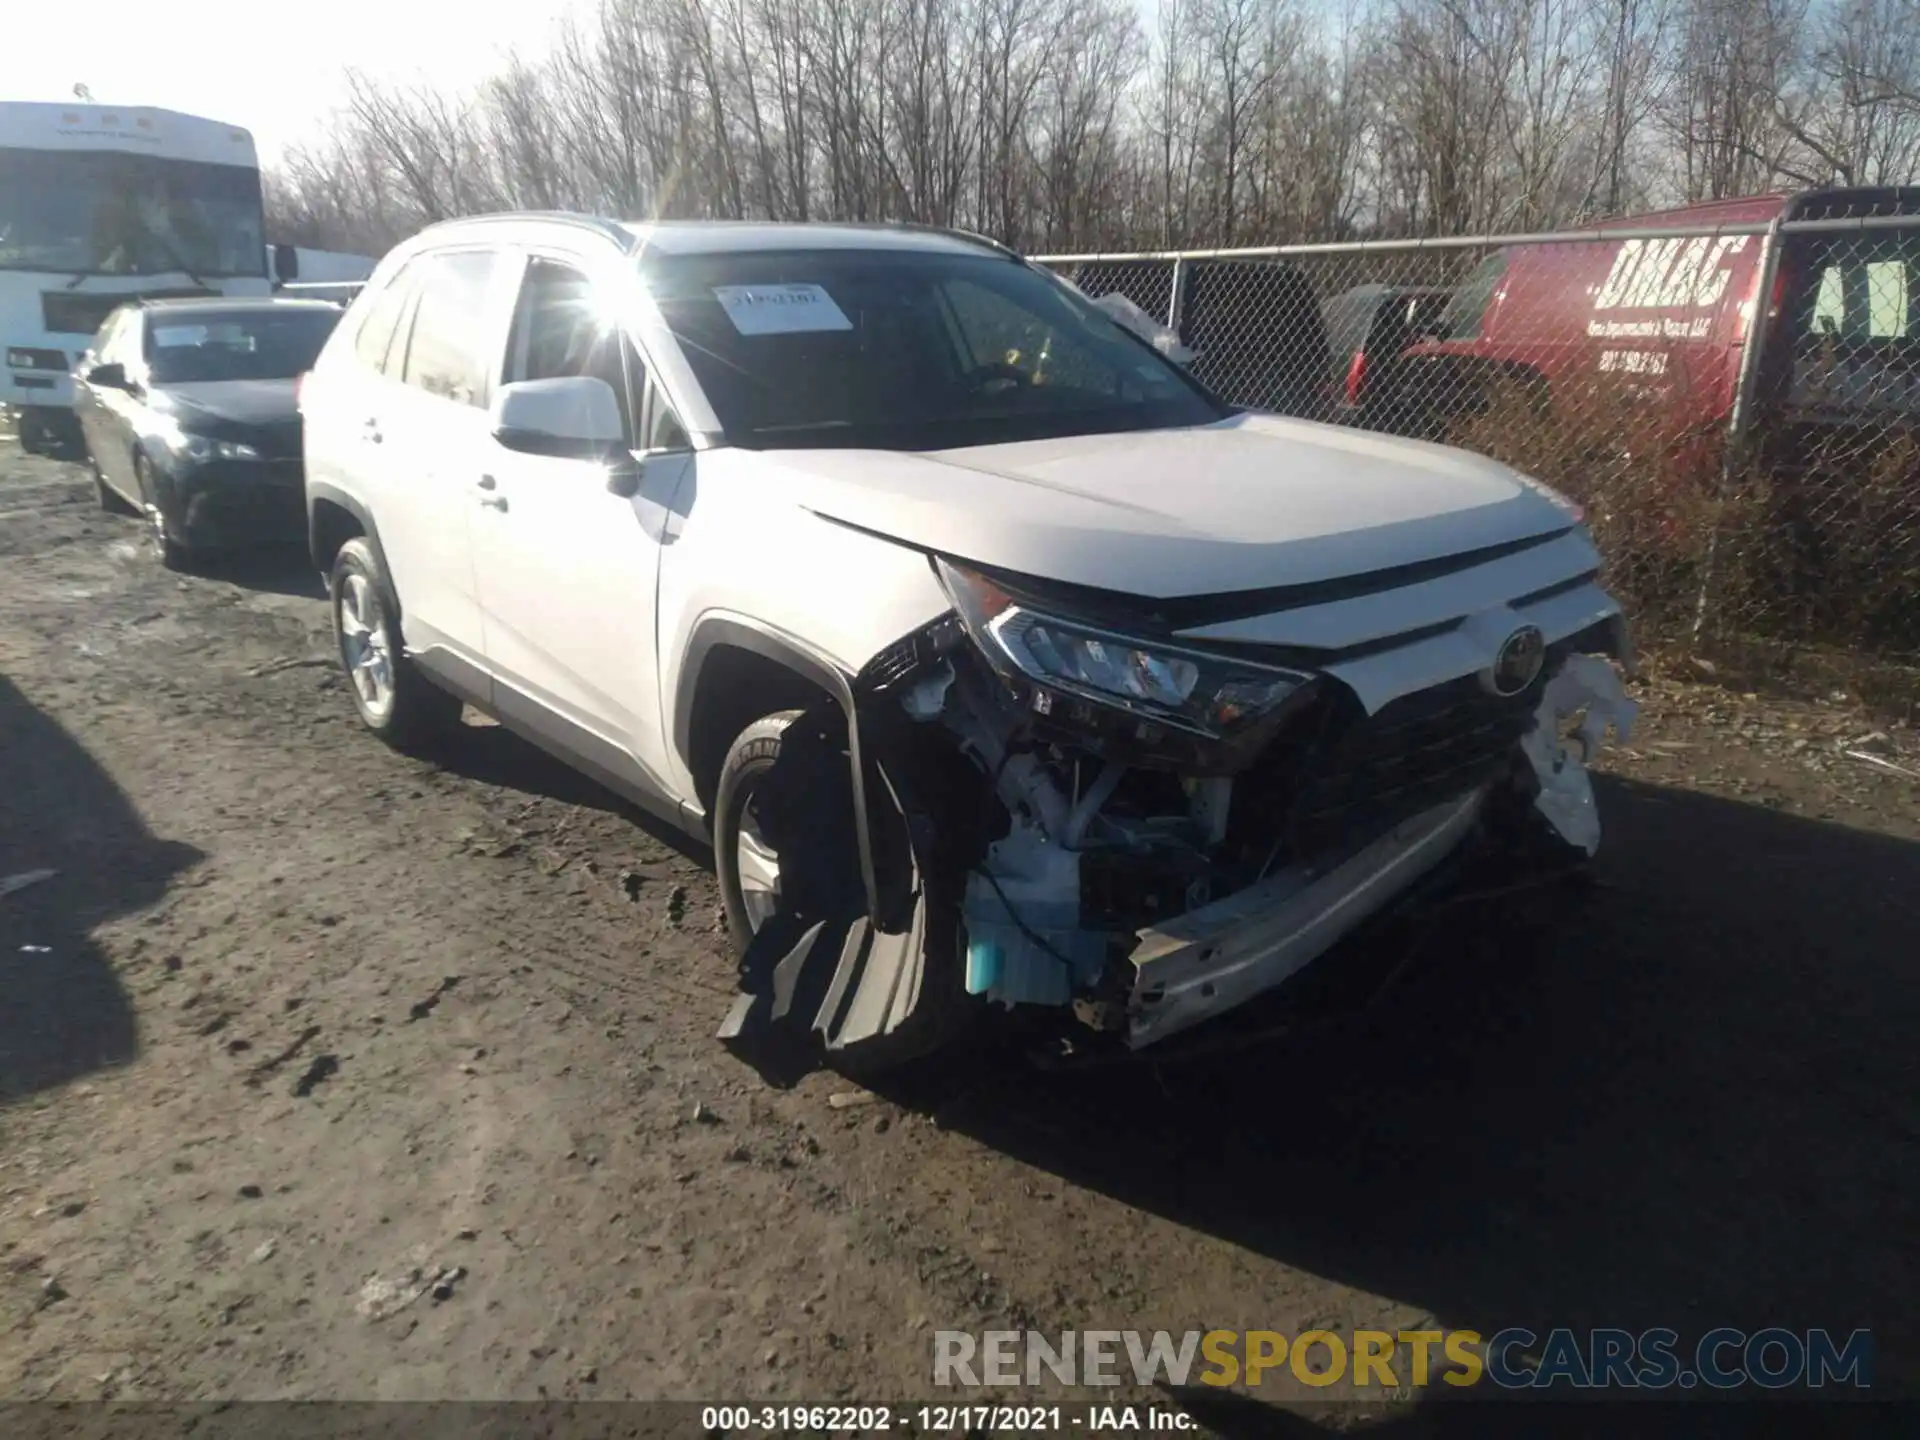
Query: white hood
(1247, 503)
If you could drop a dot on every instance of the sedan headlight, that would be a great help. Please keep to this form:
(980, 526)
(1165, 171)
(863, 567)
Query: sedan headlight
(203, 447)
(1207, 694)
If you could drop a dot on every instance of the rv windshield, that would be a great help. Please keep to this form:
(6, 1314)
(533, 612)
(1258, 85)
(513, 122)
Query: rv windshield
(100, 212)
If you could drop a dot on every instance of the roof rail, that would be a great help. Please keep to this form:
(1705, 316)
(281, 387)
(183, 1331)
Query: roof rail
(607, 229)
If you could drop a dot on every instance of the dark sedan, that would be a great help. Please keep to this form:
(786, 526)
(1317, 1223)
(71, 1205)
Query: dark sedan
(188, 411)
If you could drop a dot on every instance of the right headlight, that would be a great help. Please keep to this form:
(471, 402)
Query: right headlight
(1211, 695)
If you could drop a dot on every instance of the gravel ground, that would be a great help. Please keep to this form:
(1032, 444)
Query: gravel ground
(330, 1073)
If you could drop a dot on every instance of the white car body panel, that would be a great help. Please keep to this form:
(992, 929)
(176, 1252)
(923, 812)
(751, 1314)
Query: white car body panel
(1380, 676)
(742, 547)
(1392, 610)
(1245, 504)
(427, 455)
(567, 574)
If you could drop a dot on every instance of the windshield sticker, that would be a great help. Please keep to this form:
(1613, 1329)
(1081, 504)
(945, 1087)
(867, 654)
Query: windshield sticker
(780, 309)
(167, 336)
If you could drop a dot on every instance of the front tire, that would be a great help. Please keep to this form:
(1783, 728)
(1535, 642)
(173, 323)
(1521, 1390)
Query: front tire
(749, 875)
(391, 696)
(112, 502)
(747, 871)
(172, 554)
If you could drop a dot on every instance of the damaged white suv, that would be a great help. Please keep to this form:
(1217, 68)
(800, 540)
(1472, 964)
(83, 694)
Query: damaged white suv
(999, 661)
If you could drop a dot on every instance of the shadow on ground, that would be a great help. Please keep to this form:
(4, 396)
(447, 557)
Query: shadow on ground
(494, 755)
(63, 1012)
(269, 569)
(1686, 1100)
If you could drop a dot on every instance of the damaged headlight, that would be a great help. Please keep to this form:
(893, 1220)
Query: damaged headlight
(1206, 694)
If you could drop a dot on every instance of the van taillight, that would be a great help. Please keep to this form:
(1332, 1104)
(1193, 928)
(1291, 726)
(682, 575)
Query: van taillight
(1356, 376)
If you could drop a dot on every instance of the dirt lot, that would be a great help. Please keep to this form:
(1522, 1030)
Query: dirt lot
(302, 1029)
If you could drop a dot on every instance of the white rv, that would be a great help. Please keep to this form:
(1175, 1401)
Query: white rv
(102, 204)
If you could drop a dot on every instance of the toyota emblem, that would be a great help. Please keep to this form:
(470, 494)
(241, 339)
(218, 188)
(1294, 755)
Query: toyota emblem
(1518, 663)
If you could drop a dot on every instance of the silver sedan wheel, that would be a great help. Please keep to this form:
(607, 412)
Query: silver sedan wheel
(758, 869)
(367, 646)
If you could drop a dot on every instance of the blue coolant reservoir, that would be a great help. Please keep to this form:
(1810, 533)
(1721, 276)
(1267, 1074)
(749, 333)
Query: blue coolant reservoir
(1042, 956)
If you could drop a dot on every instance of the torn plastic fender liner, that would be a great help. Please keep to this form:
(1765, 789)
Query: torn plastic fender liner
(839, 978)
(832, 960)
(1211, 960)
(1587, 686)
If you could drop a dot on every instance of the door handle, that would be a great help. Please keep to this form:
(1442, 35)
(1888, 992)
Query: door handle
(494, 502)
(370, 430)
(486, 482)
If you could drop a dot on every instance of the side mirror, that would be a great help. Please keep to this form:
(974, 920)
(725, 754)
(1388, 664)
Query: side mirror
(572, 417)
(286, 263)
(108, 377)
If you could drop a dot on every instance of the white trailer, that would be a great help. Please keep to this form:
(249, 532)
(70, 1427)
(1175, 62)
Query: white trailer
(101, 204)
(301, 266)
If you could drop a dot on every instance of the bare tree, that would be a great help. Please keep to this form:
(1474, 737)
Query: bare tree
(1062, 122)
(1735, 58)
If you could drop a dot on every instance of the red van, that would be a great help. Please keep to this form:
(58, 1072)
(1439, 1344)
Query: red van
(1672, 325)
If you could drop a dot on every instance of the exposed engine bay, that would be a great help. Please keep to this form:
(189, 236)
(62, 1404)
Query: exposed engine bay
(1139, 834)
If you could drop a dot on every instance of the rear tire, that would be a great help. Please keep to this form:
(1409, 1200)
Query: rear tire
(393, 699)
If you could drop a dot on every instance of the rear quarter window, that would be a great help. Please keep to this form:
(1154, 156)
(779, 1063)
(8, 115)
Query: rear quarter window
(379, 320)
(446, 346)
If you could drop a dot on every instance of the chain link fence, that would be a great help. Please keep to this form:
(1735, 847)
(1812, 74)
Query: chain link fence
(1737, 407)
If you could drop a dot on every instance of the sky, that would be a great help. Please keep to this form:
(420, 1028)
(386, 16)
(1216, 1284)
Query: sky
(274, 68)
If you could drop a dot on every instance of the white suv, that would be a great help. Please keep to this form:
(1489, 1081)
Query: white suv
(997, 659)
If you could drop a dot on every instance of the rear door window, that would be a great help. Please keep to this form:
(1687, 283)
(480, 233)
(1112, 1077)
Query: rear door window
(446, 346)
(1862, 298)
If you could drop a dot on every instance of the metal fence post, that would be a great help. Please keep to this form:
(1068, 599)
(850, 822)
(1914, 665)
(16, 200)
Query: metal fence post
(1755, 338)
(1737, 423)
(1177, 294)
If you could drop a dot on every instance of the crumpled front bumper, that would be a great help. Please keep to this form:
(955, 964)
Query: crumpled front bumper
(1213, 959)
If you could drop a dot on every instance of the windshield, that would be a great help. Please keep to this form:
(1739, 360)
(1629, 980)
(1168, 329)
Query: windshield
(188, 347)
(888, 349)
(98, 212)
